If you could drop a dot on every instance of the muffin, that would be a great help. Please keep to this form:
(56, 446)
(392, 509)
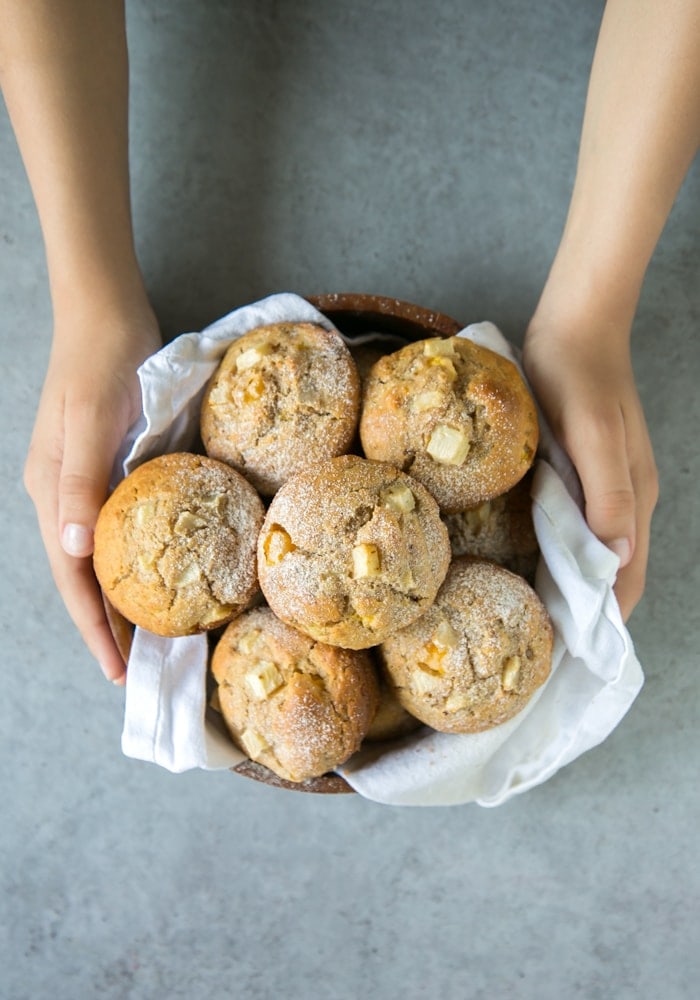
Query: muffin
(456, 416)
(370, 348)
(477, 656)
(175, 544)
(351, 551)
(500, 529)
(298, 706)
(282, 395)
(391, 720)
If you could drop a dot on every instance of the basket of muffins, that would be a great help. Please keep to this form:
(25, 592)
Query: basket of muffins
(351, 530)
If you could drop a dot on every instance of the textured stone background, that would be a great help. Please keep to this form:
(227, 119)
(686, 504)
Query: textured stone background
(423, 151)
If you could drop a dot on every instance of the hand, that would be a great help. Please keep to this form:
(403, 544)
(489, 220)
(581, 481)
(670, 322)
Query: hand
(584, 383)
(91, 396)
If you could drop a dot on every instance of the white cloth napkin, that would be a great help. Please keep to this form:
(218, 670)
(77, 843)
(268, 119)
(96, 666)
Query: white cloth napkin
(595, 678)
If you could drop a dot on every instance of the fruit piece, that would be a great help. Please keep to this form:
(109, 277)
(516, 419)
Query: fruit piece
(277, 545)
(251, 357)
(365, 561)
(264, 681)
(510, 675)
(448, 446)
(400, 498)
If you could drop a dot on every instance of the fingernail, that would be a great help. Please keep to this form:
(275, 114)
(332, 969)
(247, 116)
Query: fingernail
(108, 671)
(76, 540)
(622, 549)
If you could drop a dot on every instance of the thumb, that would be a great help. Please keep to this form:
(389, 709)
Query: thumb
(603, 468)
(88, 455)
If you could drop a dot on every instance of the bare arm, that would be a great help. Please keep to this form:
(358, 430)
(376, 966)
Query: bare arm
(64, 76)
(640, 133)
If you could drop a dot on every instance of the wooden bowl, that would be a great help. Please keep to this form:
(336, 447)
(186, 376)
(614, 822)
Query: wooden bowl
(352, 314)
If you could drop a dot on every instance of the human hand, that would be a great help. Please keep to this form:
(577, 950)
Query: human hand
(584, 382)
(91, 396)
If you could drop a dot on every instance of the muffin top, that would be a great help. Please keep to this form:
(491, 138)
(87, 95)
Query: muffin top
(298, 706)
(501, 529)
(283, 395)
(352, 550)
(175, 544)
(476, 657)
(455, 415)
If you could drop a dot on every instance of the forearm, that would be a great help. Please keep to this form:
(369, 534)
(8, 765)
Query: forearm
(64, 75)
(640, 133)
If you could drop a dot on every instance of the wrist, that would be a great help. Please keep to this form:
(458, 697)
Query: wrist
(587, 298)
(81, 296)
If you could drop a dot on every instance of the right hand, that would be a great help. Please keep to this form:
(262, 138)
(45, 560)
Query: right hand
(584, 382)
(91, 396)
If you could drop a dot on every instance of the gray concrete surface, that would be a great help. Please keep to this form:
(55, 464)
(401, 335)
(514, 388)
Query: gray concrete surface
(423, 151)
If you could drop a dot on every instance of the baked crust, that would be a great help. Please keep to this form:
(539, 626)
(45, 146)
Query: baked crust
(500, 529)
(351, 551)
(477, 656)
(391, 720)
(281, 394)
(298, 706)
(455, 415)
(175, 544)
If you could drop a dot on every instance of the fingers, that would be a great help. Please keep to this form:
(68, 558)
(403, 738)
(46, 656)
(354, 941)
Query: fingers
(90, 397)
(84, 478)
(83, 600)
(615, 463)
(582, 375)
(631, 579)
(629, 585)
(89, 447)
(603, 464)
(73, 574)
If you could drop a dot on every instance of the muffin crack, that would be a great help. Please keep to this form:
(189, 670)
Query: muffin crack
(185, 526)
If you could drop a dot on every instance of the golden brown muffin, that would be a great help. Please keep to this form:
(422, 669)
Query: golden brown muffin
(391, 720)
(298, 706)
(368, 349)
(283, 395)
(500, 529)
(175, 544)
(455, 415)
(351, 551)
(477, 656)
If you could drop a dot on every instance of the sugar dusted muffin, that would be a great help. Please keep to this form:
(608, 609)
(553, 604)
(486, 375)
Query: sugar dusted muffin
(367, 349)
(175, 544)
(283, 395)
(477, 656)
(351, 551)
(500, 529)
(298, 706)
(456, 416)
(391, 720)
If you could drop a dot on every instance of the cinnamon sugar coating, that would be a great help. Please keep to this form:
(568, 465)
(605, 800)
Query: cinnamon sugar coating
(283, 395)
(477, 656)
(455, 415)
(175, 544)
(298, 706)
(500, 529)
(351, 551)
(391, 720)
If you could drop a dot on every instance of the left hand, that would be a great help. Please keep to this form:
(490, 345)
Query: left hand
(584, 382)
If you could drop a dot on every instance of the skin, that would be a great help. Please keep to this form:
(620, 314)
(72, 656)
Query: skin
(63, 71)
(64, 75)
(640, 133)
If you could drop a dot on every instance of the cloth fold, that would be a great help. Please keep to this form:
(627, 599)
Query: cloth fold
(595, 677)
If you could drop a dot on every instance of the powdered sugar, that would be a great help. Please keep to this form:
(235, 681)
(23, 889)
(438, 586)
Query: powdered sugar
(282, 393)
